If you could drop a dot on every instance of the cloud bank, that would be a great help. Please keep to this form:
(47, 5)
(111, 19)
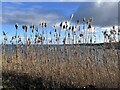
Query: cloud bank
(104, 13)
(29, 12)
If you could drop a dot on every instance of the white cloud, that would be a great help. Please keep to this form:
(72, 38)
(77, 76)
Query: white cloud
(13, 13)
(30, 16)
(100, 1)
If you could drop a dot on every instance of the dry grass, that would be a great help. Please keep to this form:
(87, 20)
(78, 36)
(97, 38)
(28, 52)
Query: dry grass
(72, 73)
(54, 67)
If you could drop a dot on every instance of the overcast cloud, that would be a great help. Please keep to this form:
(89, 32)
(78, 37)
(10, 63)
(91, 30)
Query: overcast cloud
(104, 14)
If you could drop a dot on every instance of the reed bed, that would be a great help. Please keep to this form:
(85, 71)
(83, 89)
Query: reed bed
(31, 64)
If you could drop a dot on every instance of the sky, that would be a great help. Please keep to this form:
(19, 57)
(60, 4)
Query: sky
(104, 14)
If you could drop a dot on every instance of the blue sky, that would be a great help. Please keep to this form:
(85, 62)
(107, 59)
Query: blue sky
(105, 15)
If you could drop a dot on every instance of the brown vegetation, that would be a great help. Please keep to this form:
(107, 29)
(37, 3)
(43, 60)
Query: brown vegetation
(34, 65)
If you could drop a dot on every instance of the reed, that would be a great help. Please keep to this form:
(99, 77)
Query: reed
(73, 66)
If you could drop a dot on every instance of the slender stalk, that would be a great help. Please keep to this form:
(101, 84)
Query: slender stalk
(16, 26)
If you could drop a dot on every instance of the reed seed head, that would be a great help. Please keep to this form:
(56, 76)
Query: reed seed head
(89, 26)
(91, 20)
(70, 28)
(81, 35)
(16, 26)
(45, 24)
(13, 38)
(84, 19)
(4, 33)
(73, 28)
(26, 28)
(78, 21)
(23, 26)
(42, 24)
(36, 29)
(71, 16)
(32, 26)
(64, 40)
(113, 27)
(61, 24)
(5, 38)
